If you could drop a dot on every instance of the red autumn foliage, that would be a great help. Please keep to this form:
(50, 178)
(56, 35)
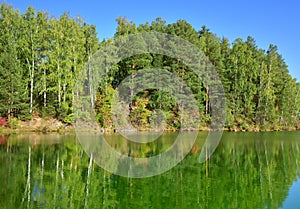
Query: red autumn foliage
(2, 121)
(2, 140)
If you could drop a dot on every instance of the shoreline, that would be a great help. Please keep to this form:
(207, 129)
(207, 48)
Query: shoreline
(71, 129)
(52, 125)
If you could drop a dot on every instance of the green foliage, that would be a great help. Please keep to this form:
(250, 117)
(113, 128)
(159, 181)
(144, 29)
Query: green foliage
(103, 106)
(140, 113)
(41, 58)
(13, 123)
(157, 119)
(65, 113)
(13, 94)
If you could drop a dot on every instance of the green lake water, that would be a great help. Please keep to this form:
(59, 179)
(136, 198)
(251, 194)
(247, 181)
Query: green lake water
(247, 170)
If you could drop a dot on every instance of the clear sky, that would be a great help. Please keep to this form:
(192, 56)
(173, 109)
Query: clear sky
(268, 21)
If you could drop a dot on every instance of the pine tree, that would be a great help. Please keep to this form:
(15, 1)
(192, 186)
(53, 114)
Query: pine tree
(13, 98)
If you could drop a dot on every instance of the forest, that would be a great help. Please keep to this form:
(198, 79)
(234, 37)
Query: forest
(41, 57)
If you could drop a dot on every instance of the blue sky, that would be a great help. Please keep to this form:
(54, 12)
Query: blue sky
(268, 21)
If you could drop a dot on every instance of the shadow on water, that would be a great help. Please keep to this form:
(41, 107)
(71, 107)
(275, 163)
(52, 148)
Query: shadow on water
(247, 170)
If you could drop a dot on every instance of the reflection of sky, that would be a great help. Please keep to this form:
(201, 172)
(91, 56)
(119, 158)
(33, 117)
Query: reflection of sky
(293, 199)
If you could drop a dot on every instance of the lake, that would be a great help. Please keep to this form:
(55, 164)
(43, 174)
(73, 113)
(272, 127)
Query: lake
(247, 170)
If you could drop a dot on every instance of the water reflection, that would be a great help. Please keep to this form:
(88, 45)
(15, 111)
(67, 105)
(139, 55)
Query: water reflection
(293, 200)
(248, 170)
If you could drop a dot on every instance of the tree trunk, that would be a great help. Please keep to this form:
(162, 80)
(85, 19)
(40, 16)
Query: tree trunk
(27, 188)
(88, 180)
(207, 101)
(258, 116)
(90, 78)
(267, 89)
(260, 172)
(59, 86)
(9, 109)
(45, 89)
(31, 84)
(64, 91)
(56, 182)
(269, 175)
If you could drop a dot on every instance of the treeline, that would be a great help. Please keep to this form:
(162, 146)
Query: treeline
(260, 92)
(41, 57)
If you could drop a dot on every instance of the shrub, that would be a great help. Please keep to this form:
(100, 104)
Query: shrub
(13, 123)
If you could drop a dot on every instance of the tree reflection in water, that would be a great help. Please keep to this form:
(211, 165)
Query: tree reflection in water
(248, 170)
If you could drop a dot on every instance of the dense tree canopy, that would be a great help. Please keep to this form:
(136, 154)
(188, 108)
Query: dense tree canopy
(41, 57)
